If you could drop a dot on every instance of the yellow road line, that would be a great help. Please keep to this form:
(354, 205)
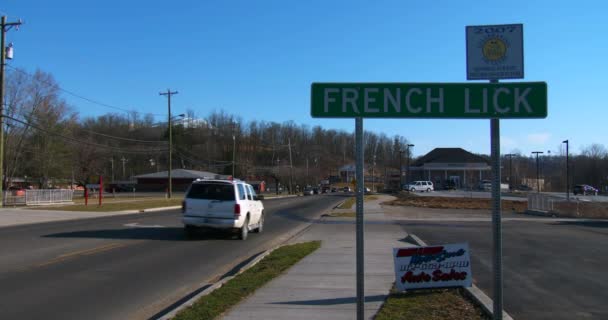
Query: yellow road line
(91, 251)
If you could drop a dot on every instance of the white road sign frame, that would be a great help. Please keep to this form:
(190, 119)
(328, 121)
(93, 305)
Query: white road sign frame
(495, 52)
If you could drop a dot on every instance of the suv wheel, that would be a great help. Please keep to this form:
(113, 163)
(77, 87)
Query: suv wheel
(244, 232)
(260, 227)
(428, 189)
(413, 189)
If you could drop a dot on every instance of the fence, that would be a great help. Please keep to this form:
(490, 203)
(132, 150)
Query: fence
(576, 207)
(38, 197)
(542, 202)
(12, 198)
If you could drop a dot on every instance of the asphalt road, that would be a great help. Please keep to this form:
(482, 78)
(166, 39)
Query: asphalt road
(127, 267)
(552, 270)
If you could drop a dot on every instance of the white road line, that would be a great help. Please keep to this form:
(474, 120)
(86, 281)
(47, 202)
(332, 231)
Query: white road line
(137, 225)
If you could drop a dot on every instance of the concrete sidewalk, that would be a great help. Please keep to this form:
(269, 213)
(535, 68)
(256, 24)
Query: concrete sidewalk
(323, 285)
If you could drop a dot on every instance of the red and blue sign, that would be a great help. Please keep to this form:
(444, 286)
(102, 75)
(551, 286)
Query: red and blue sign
(433, 267)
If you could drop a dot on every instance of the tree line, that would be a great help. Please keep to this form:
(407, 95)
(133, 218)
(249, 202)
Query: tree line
(47, 141)
(48, 144)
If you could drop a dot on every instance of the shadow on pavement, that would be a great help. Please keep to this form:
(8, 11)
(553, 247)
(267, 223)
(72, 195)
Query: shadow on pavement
(592, 224)
(162, 234)
(231, 272)
(334, 301)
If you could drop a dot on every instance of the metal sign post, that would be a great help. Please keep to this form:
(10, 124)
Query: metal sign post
(359, 227)
(496, 218)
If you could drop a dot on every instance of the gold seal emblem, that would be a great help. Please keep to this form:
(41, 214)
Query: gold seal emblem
(494, 49)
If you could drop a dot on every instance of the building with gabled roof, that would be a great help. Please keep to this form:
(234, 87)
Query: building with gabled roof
(451, 167)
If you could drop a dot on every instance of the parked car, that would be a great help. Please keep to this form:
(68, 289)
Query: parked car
(16, 191)
(584, 190)
(308, 191)
(420, 186)
(485, 185)
(315, 190)
(367, 190)
(523, 187)
(222, 204)
(334, 189)
(346, 189)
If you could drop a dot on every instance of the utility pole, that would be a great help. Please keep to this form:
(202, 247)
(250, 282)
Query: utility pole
(510, 155)
(290, 167)
(112, 167)
(373, 176)
(4, 27)
(400, 170)
(567, 175)
(233, 153)
(537, 171)
(123, 166)
(169, 93)
(307, 176)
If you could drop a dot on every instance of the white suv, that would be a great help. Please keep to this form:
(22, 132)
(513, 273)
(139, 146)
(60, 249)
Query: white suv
(222, 204)
(420, 186)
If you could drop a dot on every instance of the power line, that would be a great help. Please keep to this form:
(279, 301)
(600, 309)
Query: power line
(129, 151)
(111, 136)
(123, 109)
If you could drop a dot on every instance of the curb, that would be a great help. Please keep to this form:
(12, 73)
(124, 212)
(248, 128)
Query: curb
(281, 197)
(474, 292)
(285, 240)
(148, 210)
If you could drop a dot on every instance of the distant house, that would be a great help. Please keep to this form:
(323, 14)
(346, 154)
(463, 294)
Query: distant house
(181, 179)
(347, 172)
(453, 167)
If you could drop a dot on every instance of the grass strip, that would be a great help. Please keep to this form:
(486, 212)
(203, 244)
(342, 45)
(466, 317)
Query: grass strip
(244, 284)
(116, 206)
(348, 203)
(435, 304)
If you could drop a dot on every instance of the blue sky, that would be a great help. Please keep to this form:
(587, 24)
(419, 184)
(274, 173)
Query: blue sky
(257, 59)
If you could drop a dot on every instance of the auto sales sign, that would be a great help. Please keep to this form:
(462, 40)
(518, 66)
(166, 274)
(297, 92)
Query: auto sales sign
(446, 265)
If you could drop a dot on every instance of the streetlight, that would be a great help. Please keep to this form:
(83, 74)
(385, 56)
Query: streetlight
(537, 171)
(510, 155)
(408, 176)
(567, 176)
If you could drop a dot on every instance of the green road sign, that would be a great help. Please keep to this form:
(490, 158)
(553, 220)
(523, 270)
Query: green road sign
(515, 100)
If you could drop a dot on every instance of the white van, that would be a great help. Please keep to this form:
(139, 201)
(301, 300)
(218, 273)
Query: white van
(222, 204)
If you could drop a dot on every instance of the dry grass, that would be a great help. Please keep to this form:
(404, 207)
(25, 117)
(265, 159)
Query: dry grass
(351, 201)
(406, 199)
(438, 304)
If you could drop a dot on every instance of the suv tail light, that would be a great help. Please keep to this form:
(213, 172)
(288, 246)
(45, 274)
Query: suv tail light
(237, 210)
(184, 206)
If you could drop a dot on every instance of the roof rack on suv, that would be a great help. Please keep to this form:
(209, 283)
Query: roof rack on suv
(210, 178)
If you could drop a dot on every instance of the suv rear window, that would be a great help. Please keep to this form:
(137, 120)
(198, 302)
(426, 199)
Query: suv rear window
(209, 191)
